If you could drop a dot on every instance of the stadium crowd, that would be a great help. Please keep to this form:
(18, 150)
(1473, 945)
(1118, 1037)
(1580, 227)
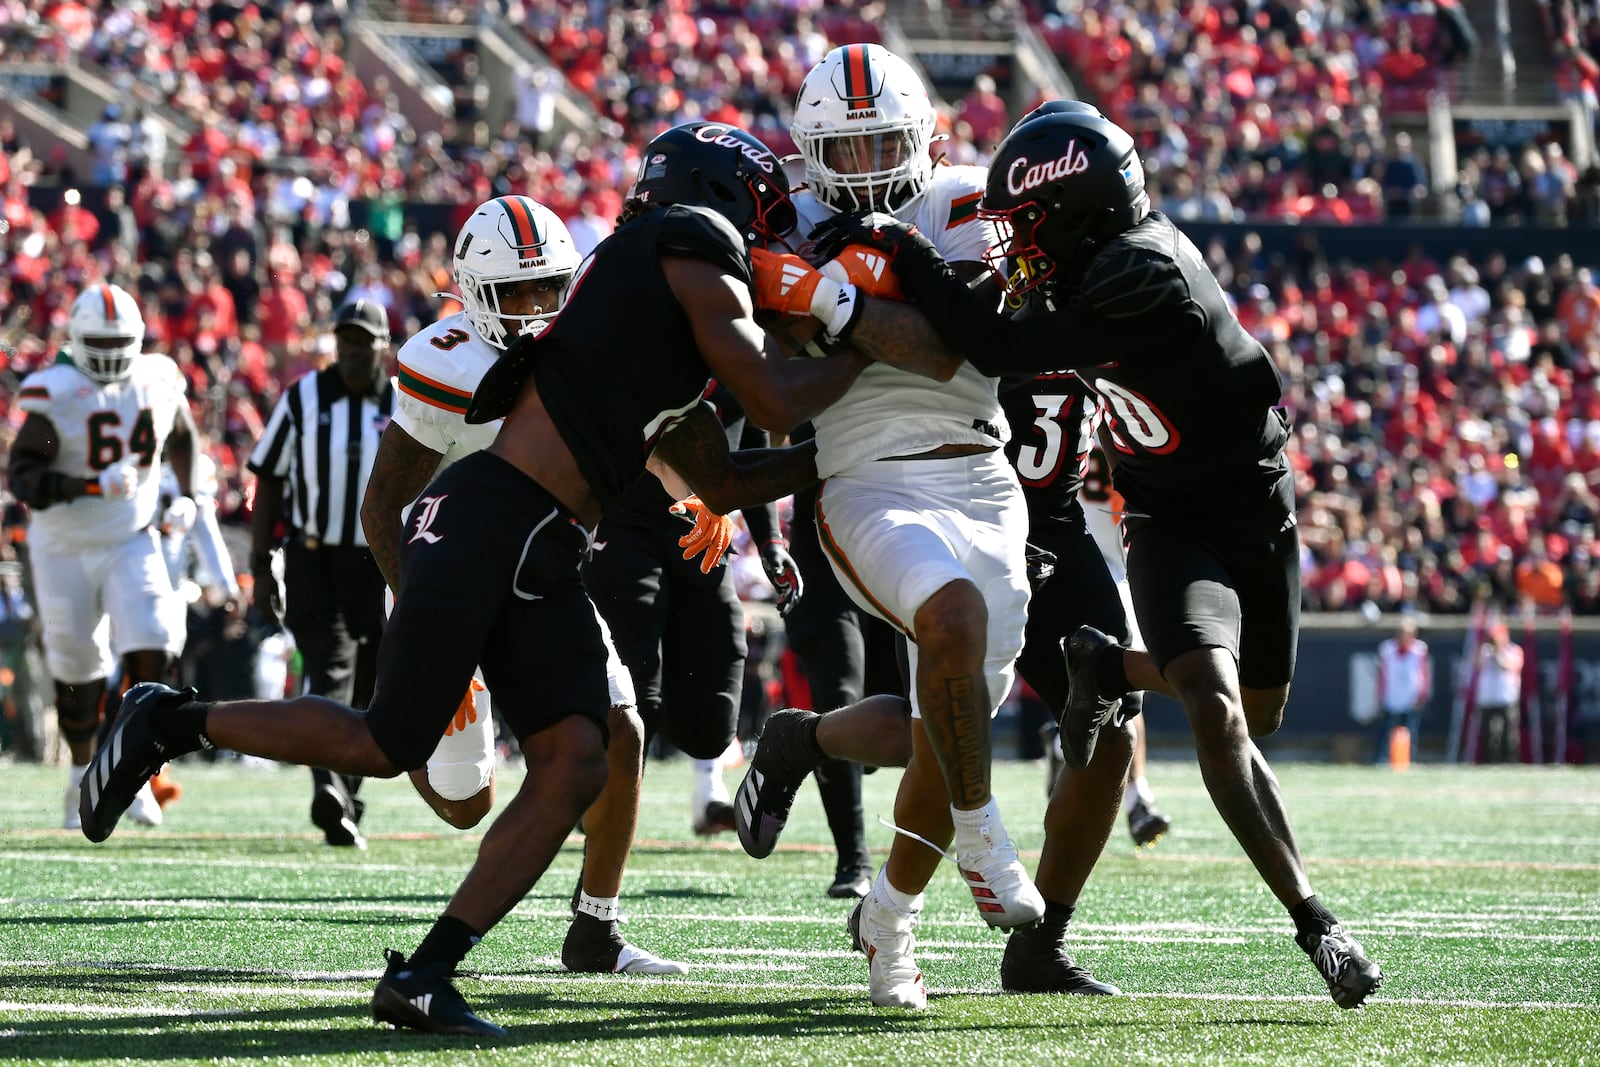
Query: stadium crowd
(1448, 426)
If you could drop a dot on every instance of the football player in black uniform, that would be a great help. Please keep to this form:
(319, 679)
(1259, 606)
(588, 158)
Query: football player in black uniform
(1052, 435)
(614, 382)
(1213, 553)
(678, 625)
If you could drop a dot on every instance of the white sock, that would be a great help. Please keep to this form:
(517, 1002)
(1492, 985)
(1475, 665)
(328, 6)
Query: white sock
(707, 776)
(902, 904)
(75, 774)
(979, 822)
(1137, 790)
(606, 909)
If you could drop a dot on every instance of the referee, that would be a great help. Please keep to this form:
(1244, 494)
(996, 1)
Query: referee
(316, 455)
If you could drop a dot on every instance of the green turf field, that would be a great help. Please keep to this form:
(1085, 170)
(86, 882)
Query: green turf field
(233, 935)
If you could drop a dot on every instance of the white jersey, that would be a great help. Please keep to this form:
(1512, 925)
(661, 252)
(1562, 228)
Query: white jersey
(440, 368)
(101, 425)
(890, 412)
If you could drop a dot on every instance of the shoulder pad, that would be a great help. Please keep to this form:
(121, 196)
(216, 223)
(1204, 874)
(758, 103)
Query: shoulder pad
(442, 375)
(1129, 278)
(699, 232)
(164, 369)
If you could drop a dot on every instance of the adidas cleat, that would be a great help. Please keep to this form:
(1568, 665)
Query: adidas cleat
(125, 763)
(762, 803)
(1087, 709)
(424, 999)
(1005, 895)
(890, 942)
(1344, 965)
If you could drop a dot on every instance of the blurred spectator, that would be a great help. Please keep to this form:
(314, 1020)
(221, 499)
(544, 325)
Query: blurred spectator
(1499, 696)
(1405, 685)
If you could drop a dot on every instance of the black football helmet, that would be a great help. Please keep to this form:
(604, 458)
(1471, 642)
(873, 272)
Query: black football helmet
(1063, 181)
(723, 168)
(1060, 107)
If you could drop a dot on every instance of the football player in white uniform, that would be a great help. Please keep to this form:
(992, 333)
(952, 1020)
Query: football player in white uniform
(514, 262)
(87, 463)
(922, 519)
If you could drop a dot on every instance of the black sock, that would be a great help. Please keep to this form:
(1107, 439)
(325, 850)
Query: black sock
(808, 734)
(1311, 921)
(184, 725)
(1110, 675)
(449, 942)
(1056, 916)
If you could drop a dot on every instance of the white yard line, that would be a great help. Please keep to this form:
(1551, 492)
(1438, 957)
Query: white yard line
(299, 991)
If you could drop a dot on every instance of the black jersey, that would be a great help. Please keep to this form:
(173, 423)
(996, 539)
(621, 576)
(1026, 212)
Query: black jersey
(1052, 423)
(619, 365)
(1189, 395)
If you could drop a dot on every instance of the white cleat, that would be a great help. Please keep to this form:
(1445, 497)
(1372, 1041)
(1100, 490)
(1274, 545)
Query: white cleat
(144, 809)
(890, 942)
(1005, 895)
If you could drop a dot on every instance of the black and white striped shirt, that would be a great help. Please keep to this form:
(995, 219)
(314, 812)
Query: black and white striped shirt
(322, 440)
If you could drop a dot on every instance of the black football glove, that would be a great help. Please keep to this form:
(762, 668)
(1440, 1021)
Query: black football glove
(783, 574)
(875, 229)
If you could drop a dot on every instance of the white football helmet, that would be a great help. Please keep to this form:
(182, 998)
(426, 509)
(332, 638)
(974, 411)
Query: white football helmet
(864, 122)
(510, 239)
(106, 330)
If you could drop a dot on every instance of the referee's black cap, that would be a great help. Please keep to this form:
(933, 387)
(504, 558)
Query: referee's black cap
(367, 314)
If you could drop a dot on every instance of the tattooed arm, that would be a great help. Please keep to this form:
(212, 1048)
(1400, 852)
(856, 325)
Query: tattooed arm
(901, 336)
(401, 469)
(696, 450)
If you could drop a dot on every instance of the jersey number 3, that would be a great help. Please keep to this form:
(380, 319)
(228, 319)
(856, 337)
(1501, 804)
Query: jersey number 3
(105, 443)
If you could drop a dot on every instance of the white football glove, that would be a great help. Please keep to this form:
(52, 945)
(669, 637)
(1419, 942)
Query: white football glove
(120, 482)
(179, 517)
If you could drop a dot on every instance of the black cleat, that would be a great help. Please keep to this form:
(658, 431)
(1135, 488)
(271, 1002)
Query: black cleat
(851, 881)
(1036, 961)
(132, 752)
(334, 812)
(781, 762)
(424, 999)
(1147, 823)
(1344, 966)
(1087, 709)
(596, 946)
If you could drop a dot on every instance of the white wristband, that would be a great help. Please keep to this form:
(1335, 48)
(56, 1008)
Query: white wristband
(833, 304)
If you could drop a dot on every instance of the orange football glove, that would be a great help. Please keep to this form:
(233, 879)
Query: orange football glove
(467, 710)
(784, 282)
(868, 269)
(712, 533)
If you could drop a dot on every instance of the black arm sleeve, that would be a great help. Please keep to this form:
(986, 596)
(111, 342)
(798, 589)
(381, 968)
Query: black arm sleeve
(34, 483)
(1133, 300)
